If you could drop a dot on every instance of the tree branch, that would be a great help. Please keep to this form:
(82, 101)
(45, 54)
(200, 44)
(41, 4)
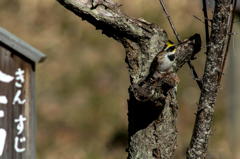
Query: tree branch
(205, 13)
(170, 21)
(215, 57)
(105, 15)
(147, 38)
(229, 34)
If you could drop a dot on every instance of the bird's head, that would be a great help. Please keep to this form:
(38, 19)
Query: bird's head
(170, 47)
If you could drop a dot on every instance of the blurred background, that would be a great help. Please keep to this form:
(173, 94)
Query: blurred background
(82, 86)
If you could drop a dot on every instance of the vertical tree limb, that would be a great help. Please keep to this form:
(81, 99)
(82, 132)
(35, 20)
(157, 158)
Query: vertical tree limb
(229, 34)
(212, 73)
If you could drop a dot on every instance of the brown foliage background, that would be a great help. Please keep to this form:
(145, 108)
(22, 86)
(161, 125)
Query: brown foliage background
(82, 87)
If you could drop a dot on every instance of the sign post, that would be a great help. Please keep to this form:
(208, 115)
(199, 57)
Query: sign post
(17, 109)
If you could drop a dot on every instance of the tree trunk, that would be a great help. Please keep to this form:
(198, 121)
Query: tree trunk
(217, 48)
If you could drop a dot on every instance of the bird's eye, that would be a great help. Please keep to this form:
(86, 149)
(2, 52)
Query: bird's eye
(170, 49)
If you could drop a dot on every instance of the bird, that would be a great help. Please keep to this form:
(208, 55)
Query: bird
(166, 58)
(162, 67)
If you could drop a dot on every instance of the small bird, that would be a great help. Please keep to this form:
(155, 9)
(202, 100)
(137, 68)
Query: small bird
(166, 58)
(163, 65)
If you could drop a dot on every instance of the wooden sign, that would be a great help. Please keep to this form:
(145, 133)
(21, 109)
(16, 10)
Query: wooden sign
(17, 109)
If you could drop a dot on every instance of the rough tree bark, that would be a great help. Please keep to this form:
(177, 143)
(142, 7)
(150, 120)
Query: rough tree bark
(152, 103)
(217, 48)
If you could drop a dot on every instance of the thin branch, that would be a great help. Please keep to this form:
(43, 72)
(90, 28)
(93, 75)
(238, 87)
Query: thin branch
(199, 19)
(230, 24)
(170, 20)
(199, 81)
(206, 21)
(194, 73)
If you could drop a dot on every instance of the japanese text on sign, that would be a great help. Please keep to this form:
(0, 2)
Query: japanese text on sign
(19, 100)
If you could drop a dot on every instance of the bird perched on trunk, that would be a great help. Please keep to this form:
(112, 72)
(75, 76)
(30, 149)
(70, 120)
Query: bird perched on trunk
(166, 58)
